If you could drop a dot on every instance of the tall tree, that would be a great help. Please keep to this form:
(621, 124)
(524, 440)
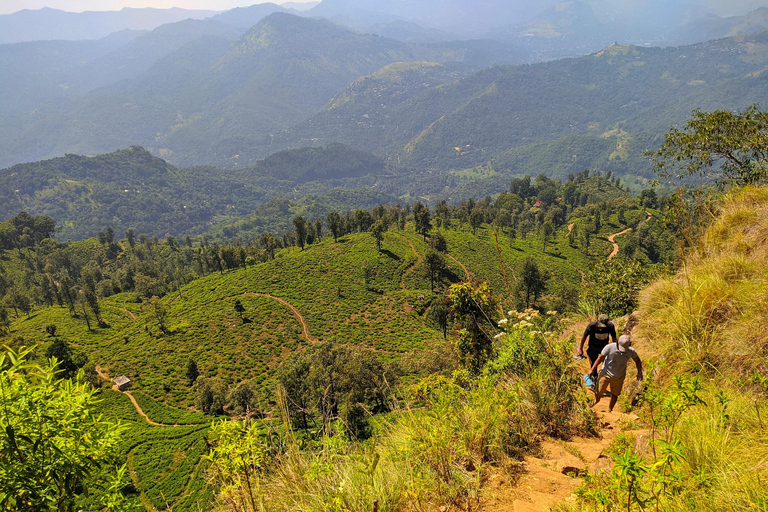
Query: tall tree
(334, 224)
(377, 231)
(192, 372)
(532, 282)
(422, 219)
(436, 265)
(300, 225)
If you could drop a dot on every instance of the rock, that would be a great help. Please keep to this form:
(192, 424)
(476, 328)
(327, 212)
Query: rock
(603, 463)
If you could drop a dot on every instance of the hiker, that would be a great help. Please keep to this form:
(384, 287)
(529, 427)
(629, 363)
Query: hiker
(598, 333)
(615, 357)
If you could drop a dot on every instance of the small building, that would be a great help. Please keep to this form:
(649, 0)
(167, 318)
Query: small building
(122, 382)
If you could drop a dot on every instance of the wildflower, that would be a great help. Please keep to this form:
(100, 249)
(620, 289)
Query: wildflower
(551, 313)
(503, 321)
(499, 335)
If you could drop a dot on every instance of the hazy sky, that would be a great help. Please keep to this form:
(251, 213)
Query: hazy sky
(721, 7)
(9, 6)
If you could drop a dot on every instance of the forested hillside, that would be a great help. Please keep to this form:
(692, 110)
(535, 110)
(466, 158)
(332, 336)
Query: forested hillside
(616, 103)
(217, 327)
(133, 189)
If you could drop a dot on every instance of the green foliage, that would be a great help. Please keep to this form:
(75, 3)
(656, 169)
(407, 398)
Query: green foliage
(48, 460)
(165, 461)
(613, 286)
(727, 147)
(473, 307)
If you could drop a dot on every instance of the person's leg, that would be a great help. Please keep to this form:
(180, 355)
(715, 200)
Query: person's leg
(616, 386)
(602, 386)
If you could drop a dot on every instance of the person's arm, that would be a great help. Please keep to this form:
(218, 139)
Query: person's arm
(613, 333)
(639, 365)
(580, 347)
(598, 361)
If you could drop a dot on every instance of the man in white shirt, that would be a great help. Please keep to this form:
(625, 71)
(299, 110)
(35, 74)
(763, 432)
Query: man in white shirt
(615, 357)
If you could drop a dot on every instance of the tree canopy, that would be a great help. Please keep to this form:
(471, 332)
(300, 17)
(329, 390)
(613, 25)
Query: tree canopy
(51, 442)
(724, 146)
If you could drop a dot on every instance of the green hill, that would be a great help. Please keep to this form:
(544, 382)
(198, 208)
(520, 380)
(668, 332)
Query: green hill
(133, 189)
(616, 102)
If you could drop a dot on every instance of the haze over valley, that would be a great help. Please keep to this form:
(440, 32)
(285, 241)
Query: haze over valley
(344, 256)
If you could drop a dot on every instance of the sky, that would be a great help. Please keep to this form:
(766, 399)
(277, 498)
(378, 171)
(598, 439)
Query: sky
(10, 6)
(720, 7)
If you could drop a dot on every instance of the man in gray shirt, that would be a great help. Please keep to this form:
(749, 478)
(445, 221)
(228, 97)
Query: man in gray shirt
(615, 357)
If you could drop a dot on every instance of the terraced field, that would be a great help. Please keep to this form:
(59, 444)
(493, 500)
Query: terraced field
(164, 462)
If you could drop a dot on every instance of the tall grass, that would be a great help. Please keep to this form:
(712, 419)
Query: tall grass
(710, 317)
(434, 450)
(708, 326)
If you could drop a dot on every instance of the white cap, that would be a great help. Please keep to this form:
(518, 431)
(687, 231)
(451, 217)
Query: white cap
(624, 343)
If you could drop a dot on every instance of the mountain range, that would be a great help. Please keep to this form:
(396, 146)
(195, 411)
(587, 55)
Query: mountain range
(203, 93)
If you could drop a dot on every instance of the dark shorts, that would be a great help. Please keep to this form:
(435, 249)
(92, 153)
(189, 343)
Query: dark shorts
(592, 355)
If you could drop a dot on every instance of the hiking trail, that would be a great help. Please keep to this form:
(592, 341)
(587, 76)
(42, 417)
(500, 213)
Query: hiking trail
(133, 401)
(467, 273)
(612, 238)
(412, 267)
(296, 313)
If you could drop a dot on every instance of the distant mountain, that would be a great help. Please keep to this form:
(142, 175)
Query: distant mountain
(549, 29)
(132, 188)
(211, 100)
(52, 24)
(468, 17)
(299, 6)
(246, 17)
(619, 101)
(42, 71)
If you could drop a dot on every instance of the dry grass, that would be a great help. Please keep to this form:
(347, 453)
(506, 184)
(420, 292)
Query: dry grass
(711, 316)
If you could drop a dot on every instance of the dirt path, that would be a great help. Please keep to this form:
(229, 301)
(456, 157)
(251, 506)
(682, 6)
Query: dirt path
(467, 273)
(415, 264)
(552, 478)
(612, 239)
(128, 312)
(294, 310)
(133, 401)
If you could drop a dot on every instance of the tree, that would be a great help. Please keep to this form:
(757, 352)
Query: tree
(547, 231)
(422, 219)
(241, 398)
(293, 375)
(47, 461)
(442, 212)
(476, 219)
(192, 372)
(377, 231)
(436, 264)
(160, 312)
(473, 306)
(334, 224)
(239, 308)
(729, 148)
(532, 281)
(613, 286)
(439, 312)
(300, 225)
(211, 396)
(437, 242)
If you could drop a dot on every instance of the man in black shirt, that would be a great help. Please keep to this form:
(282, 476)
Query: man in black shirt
(598, 333)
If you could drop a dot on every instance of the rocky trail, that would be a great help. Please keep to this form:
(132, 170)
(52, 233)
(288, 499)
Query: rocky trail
(554, 477)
